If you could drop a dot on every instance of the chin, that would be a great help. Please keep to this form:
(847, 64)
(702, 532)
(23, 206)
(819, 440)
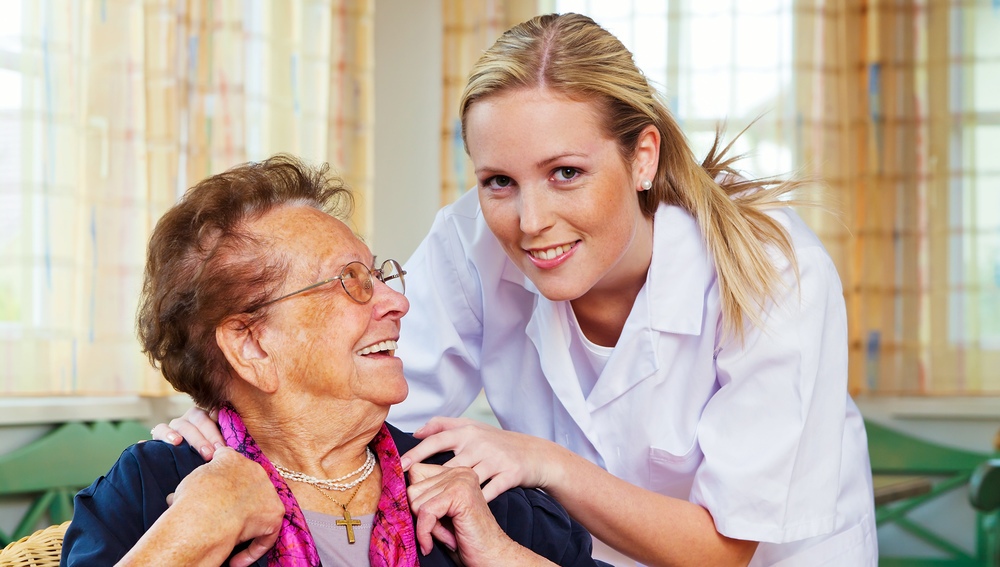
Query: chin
(399, 394)
(558, 291)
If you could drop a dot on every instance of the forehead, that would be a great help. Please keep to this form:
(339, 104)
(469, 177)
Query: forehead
(303, 232)
(531, 102)
(540, 119)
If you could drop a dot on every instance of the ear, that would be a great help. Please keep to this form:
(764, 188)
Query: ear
(241, 345)
(647, 155)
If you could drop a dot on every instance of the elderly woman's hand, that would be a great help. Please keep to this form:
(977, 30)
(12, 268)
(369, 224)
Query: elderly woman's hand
(198, 427)
(236, 497)
(505, 458)
(438, 492)
(216, 507)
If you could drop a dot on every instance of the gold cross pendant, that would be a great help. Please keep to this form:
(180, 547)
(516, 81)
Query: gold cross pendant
(349, 523)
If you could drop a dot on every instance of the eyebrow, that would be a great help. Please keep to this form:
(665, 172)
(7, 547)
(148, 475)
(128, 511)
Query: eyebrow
(341, 262)
(548, 161)
(542, 163)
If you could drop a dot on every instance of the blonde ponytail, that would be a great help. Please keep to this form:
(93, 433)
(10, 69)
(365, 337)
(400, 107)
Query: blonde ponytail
(738, 232)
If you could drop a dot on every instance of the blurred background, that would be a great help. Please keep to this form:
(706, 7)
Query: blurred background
(110, 109)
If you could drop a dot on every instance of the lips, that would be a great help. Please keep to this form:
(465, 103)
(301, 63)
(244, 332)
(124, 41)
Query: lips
(388, 347)
(549, 258)
(551, 253)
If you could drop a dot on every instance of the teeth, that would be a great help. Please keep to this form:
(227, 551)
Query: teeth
(551, 252)
(384, 346)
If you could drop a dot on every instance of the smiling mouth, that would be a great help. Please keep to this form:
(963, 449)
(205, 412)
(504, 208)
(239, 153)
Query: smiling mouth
(388, 347)
(550, 253)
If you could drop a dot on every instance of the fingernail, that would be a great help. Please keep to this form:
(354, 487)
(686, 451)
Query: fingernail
(206, 451)
(172, 437)
(424, 550)
(219, 445)
(417, 432)
(404, 463)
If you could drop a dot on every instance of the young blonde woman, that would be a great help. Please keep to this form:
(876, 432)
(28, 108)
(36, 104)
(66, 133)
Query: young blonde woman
(663, 341)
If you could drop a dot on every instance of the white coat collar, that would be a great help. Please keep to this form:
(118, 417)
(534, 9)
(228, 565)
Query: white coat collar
(680, 273)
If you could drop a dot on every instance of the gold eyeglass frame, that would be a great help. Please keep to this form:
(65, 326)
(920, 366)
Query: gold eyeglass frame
(376, 273)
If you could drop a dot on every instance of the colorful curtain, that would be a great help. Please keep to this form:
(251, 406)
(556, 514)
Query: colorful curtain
(109, 110)
(469, 28)
(892, 107)
(902, 123)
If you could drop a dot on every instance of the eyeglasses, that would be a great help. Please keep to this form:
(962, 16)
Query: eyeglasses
(356, 279)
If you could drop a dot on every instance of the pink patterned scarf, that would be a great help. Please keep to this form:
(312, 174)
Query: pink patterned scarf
(393, 540)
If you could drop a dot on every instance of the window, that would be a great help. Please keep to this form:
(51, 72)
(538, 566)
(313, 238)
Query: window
(894, 107)
(108, 112)
(715, 62)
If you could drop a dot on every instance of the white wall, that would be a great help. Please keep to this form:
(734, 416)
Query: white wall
(407, 124)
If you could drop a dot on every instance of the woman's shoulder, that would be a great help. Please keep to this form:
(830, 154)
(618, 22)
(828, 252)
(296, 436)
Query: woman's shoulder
(683, 227)
(110, 515)
(458, 242)
(183, 458)
(466, 206)
(528, 516)
(462, 225)
(144, 466)
(801, 235)
(535, 520)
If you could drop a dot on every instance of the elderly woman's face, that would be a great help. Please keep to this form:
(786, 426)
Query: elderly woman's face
(316, 337)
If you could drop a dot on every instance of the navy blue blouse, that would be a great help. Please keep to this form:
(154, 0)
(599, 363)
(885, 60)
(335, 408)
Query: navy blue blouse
(113, 513)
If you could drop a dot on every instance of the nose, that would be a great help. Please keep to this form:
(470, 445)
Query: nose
(387, 302)
(535, 210)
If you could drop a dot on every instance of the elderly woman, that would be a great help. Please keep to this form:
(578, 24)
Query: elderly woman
(259, 302)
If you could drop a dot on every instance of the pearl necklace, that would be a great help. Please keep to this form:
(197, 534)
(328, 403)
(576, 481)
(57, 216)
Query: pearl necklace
(332, 483)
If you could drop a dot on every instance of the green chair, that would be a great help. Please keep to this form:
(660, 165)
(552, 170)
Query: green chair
(895, 453)
(54, 468)
(984, 495)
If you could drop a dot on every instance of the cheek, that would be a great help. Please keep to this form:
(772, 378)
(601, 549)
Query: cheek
(330, 329)
(288, 343)
(617, 222)
(502, 220)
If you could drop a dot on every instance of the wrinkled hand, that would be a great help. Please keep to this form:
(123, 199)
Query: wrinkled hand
(198, 427)
(505, 458)
(236, 496)
(452, 494)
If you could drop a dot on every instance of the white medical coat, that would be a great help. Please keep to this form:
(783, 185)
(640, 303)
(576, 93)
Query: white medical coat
(763, 435)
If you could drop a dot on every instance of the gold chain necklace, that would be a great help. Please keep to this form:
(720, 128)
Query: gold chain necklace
(348, 522)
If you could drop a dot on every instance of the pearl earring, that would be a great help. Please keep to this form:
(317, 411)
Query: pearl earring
(646, 185)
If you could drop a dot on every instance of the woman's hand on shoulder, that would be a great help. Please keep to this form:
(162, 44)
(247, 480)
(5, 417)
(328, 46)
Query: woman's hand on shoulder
(198, 427)
(240, 500)
(452, 494)
(505, 458)
(219, 505)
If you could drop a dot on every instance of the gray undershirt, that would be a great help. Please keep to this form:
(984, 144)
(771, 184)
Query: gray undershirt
(331, 539)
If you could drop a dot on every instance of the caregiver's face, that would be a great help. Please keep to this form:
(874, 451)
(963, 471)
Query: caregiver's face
(554, 190)
(325, 343)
